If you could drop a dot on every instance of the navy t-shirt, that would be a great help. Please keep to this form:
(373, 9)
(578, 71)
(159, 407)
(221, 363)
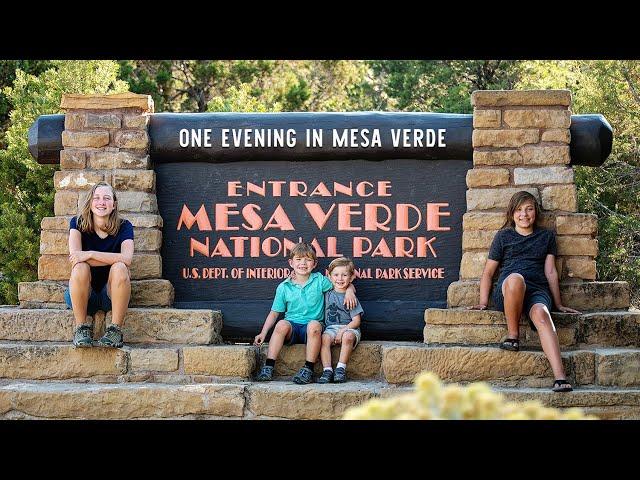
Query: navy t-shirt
(524, 254)
(110, 244)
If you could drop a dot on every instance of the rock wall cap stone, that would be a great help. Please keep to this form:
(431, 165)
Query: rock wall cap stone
(503, 98)
(106, 102)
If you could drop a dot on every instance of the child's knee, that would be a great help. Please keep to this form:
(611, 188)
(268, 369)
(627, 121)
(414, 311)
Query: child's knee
(327, 339)
(348, 338)
(314, 328)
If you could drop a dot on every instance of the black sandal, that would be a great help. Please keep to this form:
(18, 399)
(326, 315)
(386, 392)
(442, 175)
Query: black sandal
(562, 386)
(511, 344)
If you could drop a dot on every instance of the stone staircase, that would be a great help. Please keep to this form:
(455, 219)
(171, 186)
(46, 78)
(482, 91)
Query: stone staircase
(175, 364)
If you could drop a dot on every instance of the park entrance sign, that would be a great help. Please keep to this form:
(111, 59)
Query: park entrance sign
(236, 191)
(387, 190)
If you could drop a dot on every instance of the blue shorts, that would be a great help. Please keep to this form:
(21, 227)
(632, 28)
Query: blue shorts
(532, 295)
(298, 333)
(97, 301)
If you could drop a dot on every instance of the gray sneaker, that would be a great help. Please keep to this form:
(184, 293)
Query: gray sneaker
(326, 377)
(266, 374)
(340, 376)
(112, 337)
(304, 376)
(83, 336)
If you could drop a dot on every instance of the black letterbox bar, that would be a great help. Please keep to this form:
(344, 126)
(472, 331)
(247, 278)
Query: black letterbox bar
(591, 137)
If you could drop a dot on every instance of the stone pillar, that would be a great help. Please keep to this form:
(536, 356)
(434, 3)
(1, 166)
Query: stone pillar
(521, 142)
(105, 139)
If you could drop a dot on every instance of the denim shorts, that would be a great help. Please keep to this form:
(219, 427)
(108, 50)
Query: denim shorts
(532, 295)
(332, 331)
(97, 301)
(298, 333)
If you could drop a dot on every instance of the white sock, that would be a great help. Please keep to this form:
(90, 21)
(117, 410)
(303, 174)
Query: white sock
(329, 368)
(343, 365)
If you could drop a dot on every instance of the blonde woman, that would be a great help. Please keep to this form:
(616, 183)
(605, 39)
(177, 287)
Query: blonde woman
(100, 252)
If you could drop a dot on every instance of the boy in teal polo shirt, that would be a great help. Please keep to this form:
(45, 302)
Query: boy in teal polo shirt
(301, 298)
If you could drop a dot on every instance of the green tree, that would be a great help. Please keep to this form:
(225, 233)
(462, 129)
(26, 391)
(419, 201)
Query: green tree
(26, 188)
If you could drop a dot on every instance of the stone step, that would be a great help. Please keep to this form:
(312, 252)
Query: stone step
(475, 327)
(608, 367)
(392, 362)
(142, 325)
(50, 294)
(584, 296)
(274, 400)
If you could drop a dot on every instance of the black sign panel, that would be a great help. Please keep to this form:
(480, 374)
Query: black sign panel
(228, 228)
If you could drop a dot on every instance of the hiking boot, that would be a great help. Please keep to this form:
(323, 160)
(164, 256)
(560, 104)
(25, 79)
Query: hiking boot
(326, 377)
(340, 376)
(266, 374)
(83, 336)
(112, 337)
(304, 376)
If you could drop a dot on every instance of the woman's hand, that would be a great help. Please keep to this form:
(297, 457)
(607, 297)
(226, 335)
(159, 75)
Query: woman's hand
(563, 309)
(480, 306)
(79, 256)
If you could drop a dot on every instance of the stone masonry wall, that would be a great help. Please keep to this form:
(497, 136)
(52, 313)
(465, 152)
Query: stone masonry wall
(521, 142)
(105, 138)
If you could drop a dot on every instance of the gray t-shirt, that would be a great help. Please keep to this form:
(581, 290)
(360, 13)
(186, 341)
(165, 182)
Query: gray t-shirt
(523, 254)
(335, 313)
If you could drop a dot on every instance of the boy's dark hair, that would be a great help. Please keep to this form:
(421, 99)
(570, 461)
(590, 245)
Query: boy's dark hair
(518, 199)
(303, 250)
(342, 262)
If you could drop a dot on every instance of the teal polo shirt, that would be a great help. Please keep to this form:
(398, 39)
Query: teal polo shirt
(302, 303)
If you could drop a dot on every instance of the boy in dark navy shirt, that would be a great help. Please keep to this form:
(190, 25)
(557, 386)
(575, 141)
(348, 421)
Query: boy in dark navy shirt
(100, 251)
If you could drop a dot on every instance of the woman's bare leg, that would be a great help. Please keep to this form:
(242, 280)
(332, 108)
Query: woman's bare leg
(119, 290)
(79, 288)
(541, 318)
(513, 288)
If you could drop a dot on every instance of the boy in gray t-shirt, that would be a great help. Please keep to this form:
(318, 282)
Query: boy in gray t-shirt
(342, 325)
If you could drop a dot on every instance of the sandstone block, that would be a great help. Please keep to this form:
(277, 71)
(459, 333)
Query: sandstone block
(56, 223)
(95, 120)
(507, 98)
(136, 180)
(580, 267)
(170, 325)
(462, 316)
(560, 197)
(127, 401)
(545, 155)
(463, 293)
(35, 325)
(72, 159)
(65, 203)
(112, 160)
(153, 359)
(306, 402)
(567, 337)
(75, 120)
(146, 265)
(486, 118)
(59, 361)
(224, 361)
(482, 221)
(137, 202)
(95, 139)
(504, 138)
(490, 198)
(365, 361)
(136, 121)
(577, 224)
(497, 157)
(83, 180)
(464, 334)
(137, 139)
(57, 267)
(487, 177)
(595, 295)
(620, 369)
(147, 239)
(544, 175)
(54, 242)
(610, 329)
(472, 264)
(107, 102)
(537, 118)
(477, 240)
(562, 135)
(573, 245)
(143, 220)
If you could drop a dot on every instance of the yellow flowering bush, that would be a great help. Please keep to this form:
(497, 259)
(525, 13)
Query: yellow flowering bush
(432, 400)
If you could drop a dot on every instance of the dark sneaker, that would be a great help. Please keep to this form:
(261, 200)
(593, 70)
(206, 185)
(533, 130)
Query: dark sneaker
(304, 376)
(266, 374)
(326, 377)
(340, 376)
(112, 337)
(83, 336)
